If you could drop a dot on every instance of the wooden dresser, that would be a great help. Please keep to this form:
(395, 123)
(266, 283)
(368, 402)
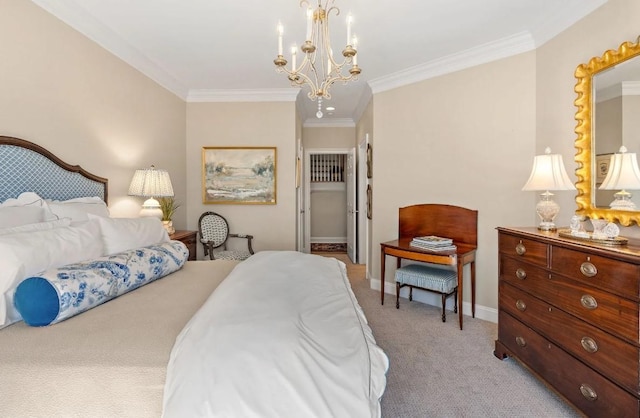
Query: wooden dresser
(568, 310)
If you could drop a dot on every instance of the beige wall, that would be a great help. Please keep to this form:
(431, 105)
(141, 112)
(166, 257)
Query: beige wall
(465, 139)
(67, 94)
(606, 28)
(253, 125)
(329, 137)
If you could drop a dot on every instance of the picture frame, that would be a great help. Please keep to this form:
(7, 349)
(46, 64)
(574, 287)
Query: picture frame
(239, 175)
(602, 167)
(369, 161)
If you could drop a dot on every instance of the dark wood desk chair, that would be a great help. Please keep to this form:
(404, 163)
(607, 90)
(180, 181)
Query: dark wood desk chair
(448, 221)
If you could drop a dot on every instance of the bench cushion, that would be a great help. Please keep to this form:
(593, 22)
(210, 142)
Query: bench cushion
(439, 279)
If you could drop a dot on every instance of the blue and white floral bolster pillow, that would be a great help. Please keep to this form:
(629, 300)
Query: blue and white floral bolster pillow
(60, 293)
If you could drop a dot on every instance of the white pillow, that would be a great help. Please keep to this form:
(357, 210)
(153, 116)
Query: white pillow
(122, 234)
(28, 208)
(78, 209)
(40, 226)
(24, 254)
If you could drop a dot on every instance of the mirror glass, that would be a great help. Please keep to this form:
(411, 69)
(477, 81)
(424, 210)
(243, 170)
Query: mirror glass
(608, 117)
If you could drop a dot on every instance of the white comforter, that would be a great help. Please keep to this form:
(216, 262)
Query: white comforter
(282, 336)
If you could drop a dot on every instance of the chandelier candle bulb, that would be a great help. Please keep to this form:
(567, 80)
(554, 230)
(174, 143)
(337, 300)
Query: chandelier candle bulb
(293, 57)
(280, 30)
(309, 22)
(355, 47)
(349, 21)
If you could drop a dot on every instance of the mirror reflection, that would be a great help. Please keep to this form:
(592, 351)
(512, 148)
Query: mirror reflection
(616, 119)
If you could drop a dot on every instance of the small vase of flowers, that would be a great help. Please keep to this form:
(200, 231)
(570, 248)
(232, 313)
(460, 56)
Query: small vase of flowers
(168, 206)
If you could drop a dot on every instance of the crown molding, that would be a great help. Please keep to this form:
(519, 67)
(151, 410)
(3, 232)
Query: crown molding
(83, 22)
(505, 47)
(243, 95)
(329, 123)
(631, 88)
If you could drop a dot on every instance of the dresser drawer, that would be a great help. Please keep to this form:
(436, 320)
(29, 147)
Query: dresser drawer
(527, 276)
(598, 349)
(605, 310)
(612, 275)
(524, 249)
(586, 389)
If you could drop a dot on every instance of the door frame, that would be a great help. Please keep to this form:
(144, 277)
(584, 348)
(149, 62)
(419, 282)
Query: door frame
(307, 211)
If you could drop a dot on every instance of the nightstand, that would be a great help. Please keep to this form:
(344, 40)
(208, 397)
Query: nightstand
(188, 238)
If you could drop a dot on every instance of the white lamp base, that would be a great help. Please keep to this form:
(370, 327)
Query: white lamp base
(547, 210)
(622, 201)
(151, 207)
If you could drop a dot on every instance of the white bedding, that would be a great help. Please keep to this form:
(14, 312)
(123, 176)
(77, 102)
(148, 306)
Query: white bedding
(282, 336)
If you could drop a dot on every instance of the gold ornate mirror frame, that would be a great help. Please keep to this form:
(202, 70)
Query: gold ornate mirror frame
(584, 142)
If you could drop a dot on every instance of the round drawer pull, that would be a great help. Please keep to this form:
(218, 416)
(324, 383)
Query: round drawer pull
(588, 269)
(589, 302)
(521, 274)
(588, 392)
(521, 341)
(521, 249)
(521, 305)
(589, 344)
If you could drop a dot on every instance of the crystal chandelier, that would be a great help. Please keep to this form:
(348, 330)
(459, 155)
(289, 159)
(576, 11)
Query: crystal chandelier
(319, 69)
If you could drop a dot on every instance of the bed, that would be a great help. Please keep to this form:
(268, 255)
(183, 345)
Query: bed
(278, 335)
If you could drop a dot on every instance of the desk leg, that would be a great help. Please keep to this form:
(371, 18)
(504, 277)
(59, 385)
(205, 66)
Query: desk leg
(460, 293)
(382, 258)
(473, 289)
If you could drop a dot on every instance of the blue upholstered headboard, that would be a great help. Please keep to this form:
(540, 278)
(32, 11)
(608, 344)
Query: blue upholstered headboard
(27, 167)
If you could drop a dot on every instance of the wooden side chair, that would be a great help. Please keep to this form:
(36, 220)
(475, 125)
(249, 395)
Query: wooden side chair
(214, 234)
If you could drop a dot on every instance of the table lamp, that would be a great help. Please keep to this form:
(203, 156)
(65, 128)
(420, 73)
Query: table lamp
(151, 183)
(623, 175)
(548, 173)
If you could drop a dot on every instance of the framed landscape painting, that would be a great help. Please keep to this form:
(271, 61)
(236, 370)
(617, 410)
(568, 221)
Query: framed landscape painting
(239, 175)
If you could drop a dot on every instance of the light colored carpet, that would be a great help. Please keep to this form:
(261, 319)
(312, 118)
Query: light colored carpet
(437, 370)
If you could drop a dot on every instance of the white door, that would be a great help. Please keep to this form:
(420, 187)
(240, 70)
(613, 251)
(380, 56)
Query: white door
(305, 213)
(301, 185)
(362, 201)
(352, 212)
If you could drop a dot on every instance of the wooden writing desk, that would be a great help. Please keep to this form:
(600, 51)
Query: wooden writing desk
(454, 222)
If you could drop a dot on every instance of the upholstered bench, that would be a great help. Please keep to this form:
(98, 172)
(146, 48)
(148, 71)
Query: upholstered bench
(438, 279)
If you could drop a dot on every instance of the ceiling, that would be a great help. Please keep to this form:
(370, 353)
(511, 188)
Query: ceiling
(213, 50)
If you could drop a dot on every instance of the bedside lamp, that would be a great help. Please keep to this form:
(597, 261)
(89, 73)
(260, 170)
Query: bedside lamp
(151, 183)
(547, 174)
(623, 175)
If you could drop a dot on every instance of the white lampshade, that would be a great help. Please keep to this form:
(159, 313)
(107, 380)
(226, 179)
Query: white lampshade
(151, 183)
(548, 173)
(623, 175)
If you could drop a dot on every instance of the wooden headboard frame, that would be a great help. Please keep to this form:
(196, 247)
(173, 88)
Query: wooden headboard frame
(47, 175)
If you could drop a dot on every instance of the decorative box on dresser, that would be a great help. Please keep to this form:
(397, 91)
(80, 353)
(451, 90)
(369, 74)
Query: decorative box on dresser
(188, 238)
(568, 310)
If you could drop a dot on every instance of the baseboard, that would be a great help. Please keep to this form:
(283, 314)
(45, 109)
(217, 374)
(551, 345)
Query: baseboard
(482, 312)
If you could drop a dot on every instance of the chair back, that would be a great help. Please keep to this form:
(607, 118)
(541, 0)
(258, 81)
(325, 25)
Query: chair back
(213, 228)
(458, 223)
